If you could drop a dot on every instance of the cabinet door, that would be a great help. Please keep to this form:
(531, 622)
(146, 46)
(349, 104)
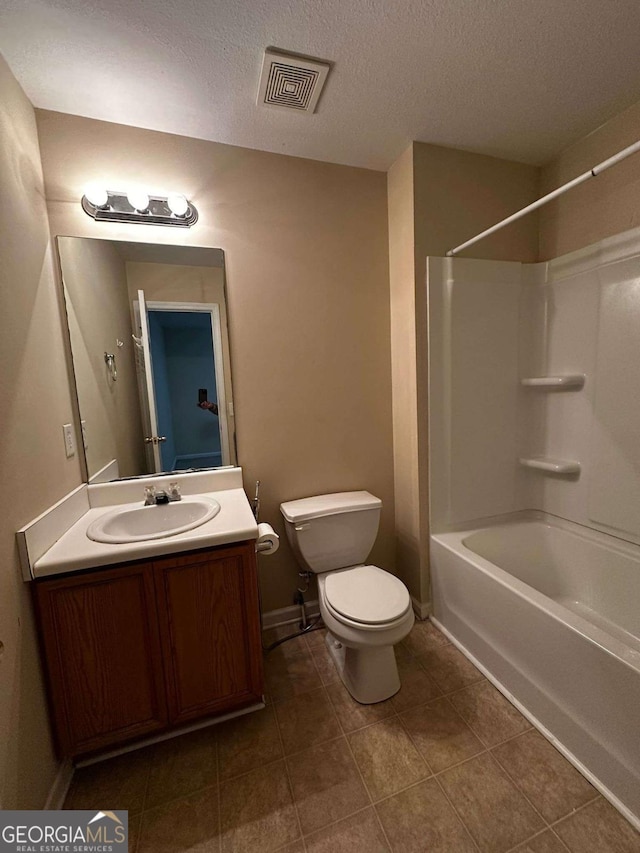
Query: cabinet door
(100, 640)
(210, 629)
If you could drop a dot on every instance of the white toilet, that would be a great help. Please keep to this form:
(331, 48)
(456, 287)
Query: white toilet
(366, 610)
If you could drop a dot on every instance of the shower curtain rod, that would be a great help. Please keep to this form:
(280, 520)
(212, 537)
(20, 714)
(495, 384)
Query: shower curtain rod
(591, 173)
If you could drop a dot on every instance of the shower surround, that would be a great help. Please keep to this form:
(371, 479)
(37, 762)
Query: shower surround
(536, 570)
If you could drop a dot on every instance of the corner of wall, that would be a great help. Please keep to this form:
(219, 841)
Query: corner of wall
(402, 279)
(36, 472)
(598, 208)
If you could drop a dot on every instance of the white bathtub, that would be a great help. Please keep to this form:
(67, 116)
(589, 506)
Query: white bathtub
(551, 610)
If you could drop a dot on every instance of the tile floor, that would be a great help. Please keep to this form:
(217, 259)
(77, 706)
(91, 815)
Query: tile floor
(445, 765)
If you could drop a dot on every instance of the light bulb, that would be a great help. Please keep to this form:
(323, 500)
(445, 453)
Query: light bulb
(97, 195)
(178, 204)
(138, 199)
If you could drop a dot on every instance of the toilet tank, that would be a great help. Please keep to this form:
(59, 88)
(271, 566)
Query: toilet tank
(332, 531)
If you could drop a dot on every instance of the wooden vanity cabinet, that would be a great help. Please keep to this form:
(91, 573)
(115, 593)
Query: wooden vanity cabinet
(102, 653)
(140, 648)
(210, 631)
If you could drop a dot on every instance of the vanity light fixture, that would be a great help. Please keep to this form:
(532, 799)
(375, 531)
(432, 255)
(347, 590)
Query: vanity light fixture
(97, 196)
(137, 206)
(178, 204)
(139, 200)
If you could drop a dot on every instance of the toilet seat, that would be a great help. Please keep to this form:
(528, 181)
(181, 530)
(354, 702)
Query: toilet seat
(366, 597)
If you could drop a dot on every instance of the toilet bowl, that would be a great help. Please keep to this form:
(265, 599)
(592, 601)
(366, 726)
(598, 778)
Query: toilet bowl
(366, 610)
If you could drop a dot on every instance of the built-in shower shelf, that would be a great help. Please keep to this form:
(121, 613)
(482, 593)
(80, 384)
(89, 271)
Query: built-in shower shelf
(551, 466)
(544, 383)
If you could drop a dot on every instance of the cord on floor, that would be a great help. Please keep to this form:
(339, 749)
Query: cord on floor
(316, 625)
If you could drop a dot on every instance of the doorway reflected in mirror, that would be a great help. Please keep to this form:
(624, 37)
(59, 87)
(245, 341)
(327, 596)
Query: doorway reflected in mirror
(165, 307)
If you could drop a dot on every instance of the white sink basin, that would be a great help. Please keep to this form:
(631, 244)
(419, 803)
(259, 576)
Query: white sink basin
(153, 522)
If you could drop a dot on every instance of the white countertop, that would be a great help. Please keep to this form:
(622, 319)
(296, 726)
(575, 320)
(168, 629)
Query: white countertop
(74, 550)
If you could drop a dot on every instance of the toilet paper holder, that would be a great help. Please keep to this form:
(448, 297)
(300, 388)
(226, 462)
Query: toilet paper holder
(268, 540)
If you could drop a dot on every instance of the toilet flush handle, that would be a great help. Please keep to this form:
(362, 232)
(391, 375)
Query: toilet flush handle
(300, 527)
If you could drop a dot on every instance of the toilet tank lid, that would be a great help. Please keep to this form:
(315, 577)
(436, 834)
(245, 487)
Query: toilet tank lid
(321, 505)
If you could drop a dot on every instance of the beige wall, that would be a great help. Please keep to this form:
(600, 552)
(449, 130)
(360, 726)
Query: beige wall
(35, 471)
(402, 274)
(306, 251)
(458, 194)
(175, 283)
(98, 312)
(600, 207)
(451, 195)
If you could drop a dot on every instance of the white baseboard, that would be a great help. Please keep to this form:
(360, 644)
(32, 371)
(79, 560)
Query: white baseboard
(287, 615)
(422, 609)
(60, 786)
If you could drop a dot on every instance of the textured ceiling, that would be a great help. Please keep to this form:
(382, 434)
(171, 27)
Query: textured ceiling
(520, 79)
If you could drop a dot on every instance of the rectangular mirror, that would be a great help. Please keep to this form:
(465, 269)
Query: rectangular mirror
(149, 342)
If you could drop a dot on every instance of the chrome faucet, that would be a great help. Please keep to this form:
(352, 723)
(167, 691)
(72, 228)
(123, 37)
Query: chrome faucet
(153, 496)
(174, 492)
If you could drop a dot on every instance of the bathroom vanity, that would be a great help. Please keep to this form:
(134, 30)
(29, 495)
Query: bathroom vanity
(139, 638)
(142, 647)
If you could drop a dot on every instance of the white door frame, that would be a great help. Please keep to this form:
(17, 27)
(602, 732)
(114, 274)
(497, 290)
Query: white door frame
(213, 309)
(151, 440)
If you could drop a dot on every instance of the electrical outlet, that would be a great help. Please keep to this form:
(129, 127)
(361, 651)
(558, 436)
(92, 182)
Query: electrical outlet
(69, 443)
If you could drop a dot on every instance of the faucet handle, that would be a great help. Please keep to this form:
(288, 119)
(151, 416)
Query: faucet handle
(149, 495)
(174, 492)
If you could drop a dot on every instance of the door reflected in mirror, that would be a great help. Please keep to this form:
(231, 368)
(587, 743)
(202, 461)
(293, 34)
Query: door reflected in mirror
(149, 342)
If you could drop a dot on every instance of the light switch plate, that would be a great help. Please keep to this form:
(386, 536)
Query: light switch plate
(69, 443)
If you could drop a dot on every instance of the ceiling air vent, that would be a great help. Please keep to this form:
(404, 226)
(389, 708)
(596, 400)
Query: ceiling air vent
(291, 82)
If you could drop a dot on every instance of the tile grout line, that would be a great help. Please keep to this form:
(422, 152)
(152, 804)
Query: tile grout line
(182, 796)
(537, 811)
(520, 791)
(486, 750)
(143, 810)
(368, 792)
(575, 811)
(440, 786)
(288, 775)
(336, 822)
(558, 839)
(305, 652)
(456, 812)
(549, 824)
(353, 758)
(487, 746)
(359, 728)
(326, 742)
(482, 739)
(356, 765)
(219, 792)
(516, 847)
